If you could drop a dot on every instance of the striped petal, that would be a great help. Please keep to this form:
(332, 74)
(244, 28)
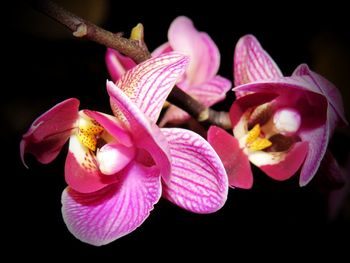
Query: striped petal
(101, 217)
(50, 131)
(252, 62)
(145, 134)
(149, 83)
(204, 54)
(117, 64)
(232, 156)
(198, 181)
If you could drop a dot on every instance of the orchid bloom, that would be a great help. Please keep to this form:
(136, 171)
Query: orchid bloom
(200, 81)
(280, 123)
(118, 166)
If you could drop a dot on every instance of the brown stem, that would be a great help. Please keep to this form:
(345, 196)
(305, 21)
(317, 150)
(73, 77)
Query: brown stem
(134, 49)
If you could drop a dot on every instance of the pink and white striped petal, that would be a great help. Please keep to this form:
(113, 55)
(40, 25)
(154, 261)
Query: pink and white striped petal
(81, 169)
(101, 217)
(204, 54)
(198, 181)
(318, 141)
(117, 64)
(50, 131)
(149, 83)
(252, 62)
(145, 135)
(232, 156)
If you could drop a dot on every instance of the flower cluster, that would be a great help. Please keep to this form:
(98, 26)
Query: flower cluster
(118, 166)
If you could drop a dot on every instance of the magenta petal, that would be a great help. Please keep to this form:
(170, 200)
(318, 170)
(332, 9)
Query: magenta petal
(327, 88)
(318, 141)
(50, 131)
(149, 83)
(101, 217)
(117, 64)
(232, 156)
(81, 171)
(165, 48)
(252, 62)
(111, 124)
(198, 181)
(211, 91)
(204, 54)
(289, 165)
(145, 135)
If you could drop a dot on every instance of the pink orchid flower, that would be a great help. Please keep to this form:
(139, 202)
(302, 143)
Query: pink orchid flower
(200, 81)
(118, 167)
(280, 123)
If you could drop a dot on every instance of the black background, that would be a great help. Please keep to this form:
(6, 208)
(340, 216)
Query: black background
(45, 65)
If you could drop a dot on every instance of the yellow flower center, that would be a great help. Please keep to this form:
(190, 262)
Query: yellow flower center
(88, 130)
(254, 140)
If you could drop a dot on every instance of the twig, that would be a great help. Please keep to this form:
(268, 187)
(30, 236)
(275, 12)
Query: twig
(134, 49)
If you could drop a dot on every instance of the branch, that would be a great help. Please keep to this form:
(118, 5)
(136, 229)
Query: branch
(136, 50)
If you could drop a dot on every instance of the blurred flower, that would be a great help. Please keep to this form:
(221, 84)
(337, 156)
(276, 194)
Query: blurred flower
(280, 123)
(118, 167)
(200, 80)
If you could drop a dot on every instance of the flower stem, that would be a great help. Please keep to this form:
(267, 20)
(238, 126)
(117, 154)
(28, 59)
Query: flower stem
(134, 49)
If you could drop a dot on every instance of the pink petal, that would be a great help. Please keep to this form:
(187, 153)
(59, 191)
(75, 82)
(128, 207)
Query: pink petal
(165, 48)
(241, 105)
(204, 54)
(211, 91)
(252, 62)
(318, 142)
(117, 64)
(174, 115)
(233, 158)
(50, 131)
(101, 217)
(145, 135)
(81, 171)
(149, 83)
(198, 180)
(290, 164)
(327, 88)
(112, 125)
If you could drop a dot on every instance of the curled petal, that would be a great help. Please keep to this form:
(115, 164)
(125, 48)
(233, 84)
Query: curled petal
(149, 83)
(145, 135)
(165, 48)
(289, 164)
(101, 217)
(204, 54)
(198, 181)
(117, 64)
(252, 62)
(81, 169)
(50, 131)
(232, 156)
(174, 115)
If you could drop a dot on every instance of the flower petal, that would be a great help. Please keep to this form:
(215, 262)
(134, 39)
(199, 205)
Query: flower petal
(112, 125)
(204, 54)
(50, 131)
(165, 48)
(81, 171)
(318, 141)
(145, 135)
(211, 91)
(252, 62)
(101, 217)
(117, 64)
(290, 163)
(232, 156)
(174, 115)
(198, 180)
(327, 88)
(149, 83)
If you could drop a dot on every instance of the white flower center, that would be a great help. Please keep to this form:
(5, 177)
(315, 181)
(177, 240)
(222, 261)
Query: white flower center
(287, 121)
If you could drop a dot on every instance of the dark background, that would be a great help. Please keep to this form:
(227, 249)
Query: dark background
(45, 65)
